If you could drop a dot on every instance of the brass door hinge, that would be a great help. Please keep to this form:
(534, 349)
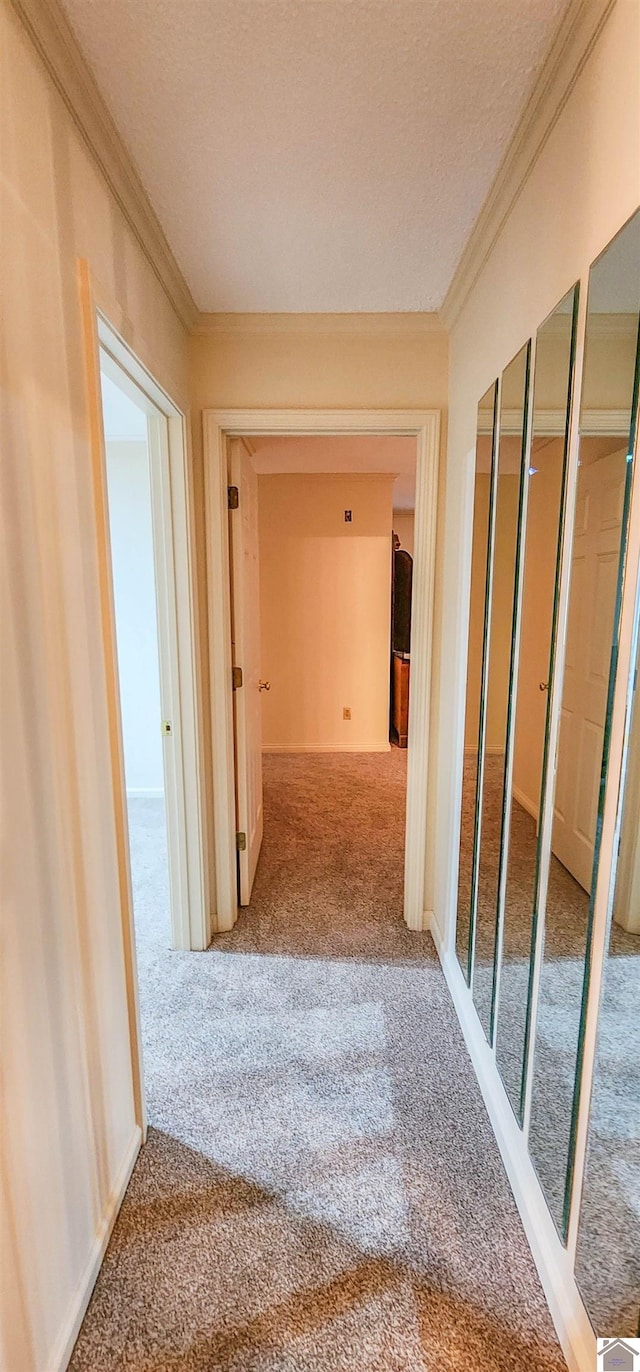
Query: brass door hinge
(233, 498)
(241, 842)
(236, 677)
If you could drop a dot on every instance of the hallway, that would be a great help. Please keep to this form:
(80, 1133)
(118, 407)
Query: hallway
(320, 1181)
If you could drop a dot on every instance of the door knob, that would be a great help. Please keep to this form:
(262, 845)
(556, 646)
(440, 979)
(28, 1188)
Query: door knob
(544, 686)
(264, 685)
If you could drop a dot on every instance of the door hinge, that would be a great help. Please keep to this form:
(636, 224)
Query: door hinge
(236, 677)
(241, 842)
(233, 499)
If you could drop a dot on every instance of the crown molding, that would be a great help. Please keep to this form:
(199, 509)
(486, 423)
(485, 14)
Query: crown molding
(576, 37)
(398, 325)
(57, 46)
(553, 423)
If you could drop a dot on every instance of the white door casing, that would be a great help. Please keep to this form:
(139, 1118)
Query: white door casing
(594, 572)
(104, 347)
(245, 639)
(218, 427)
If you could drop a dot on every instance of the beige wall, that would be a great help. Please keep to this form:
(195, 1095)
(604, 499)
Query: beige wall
(320, 360)
(325, 599)
(582, 187)
(317, 362)
(70, 1129)
(310, 362)
(403, 523)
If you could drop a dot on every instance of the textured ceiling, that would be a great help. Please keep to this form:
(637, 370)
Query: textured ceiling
(316, 155)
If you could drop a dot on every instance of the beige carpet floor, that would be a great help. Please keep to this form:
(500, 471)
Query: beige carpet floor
(321, 1190)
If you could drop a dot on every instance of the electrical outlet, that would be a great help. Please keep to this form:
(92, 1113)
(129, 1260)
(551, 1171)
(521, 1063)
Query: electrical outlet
(347, 516)
(346, 713)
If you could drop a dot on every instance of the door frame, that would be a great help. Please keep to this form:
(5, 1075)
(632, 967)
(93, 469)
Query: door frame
(174, 549)
(177, 661)
(218, 426)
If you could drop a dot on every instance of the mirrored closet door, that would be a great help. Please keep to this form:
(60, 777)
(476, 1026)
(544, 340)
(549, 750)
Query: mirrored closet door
(608, 1252)
(550, 583)
(546, 467)
(596, 553)
(501, 598)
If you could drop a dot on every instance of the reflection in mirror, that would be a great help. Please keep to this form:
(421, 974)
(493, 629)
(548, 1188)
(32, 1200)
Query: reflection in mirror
(546, 478)
(477, 599)
(597, 559)
(508, 492)
(608, 1253)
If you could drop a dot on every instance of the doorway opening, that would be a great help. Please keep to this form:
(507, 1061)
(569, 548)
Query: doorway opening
(144, 514)
(317, 632)
(153, 527)
(133, 499)
(316, 531)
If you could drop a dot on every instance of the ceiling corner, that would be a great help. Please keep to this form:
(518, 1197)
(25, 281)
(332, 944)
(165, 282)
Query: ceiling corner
(572, 44)
(56, 44)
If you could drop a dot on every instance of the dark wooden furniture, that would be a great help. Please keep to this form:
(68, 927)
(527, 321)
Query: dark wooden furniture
(401, 667)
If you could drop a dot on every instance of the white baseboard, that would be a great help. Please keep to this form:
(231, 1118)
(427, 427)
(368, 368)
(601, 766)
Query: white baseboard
(224, 926)
(552, 1260)
(430, 925)
(527, 804)
(63, 1347)
(327, 748)
(140, 793)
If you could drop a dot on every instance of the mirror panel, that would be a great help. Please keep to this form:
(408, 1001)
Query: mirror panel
(608, 1252)
(508, 499)
(596, 565)
(483, 486)
(544, 507)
